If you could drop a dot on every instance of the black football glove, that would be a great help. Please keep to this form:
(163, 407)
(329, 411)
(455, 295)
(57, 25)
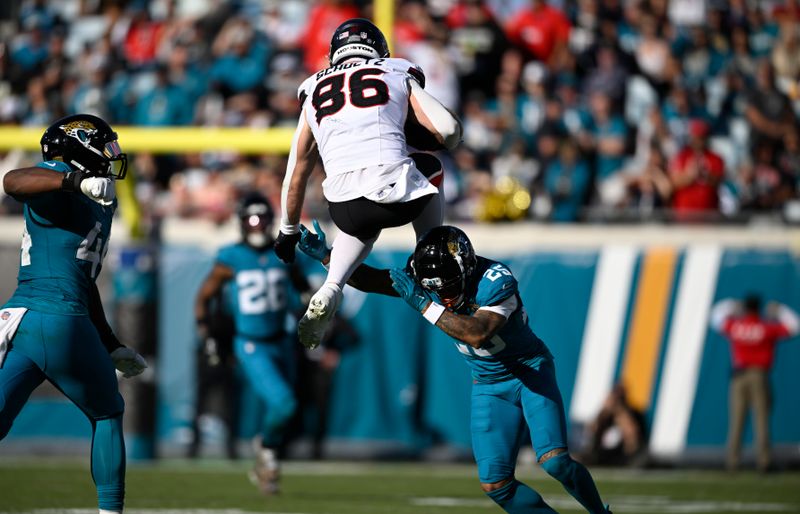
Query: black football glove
(285, 245)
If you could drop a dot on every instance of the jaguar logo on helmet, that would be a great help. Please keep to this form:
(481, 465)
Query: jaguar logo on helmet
(79, 129)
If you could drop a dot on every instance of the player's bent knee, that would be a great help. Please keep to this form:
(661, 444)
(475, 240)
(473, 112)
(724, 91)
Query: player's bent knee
(559, 466)
(494, 486)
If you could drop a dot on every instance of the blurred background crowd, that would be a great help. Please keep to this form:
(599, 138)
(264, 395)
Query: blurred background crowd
(573, 110)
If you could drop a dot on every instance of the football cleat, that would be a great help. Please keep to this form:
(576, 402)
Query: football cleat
(311, 328)
(266, 472)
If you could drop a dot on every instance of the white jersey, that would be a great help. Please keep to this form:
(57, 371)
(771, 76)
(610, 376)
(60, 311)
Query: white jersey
(357, 113)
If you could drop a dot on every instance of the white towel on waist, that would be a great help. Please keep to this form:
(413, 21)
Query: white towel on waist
(10, 319)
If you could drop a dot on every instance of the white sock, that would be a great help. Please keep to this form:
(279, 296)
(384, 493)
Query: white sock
(346, 255)
(269, 457)
(103, 511)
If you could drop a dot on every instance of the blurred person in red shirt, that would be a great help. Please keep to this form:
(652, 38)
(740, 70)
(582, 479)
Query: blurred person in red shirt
(323, 20)
(696, 172)
(753, 338)
(541, 30)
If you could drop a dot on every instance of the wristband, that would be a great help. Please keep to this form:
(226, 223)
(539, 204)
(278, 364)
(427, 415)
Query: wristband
(433, 312)
(72, 181)
(289, 228)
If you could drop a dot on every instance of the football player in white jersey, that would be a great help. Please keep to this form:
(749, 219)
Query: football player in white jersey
(354, 119)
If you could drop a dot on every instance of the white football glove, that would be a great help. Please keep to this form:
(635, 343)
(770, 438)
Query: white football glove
(127, 361)
(99, 189)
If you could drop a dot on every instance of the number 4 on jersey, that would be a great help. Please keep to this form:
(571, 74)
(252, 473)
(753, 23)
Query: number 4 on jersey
(329, 97)
(93, 248)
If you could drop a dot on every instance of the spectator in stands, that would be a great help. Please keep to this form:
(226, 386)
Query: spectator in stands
(649, 189)
(653, 54)
(566, 180)
(541, 30)
(478, 43)
(678, 110)
(696, 173)
(786, 52)
(323, 19)
(240, 58)
(606, 136)
(761, 184)
(165, 104)
(769, 111)
(753, 338)
(608, 78)
(142, 39)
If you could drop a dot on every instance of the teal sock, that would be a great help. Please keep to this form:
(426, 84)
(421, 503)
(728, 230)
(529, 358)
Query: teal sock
(108, 463)
(517, 498)
(576, 480)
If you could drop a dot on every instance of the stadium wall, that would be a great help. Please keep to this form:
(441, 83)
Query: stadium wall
(612, 303)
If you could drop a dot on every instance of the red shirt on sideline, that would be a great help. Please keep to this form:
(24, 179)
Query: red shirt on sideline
(753, 340)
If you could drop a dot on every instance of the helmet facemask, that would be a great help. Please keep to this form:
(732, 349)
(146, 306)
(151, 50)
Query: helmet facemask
(256, 223)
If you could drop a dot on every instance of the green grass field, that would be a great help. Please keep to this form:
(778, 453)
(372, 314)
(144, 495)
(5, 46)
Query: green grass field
(215, 487)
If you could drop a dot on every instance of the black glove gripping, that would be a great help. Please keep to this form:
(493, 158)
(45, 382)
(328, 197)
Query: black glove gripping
(71, 183)
(285, 245)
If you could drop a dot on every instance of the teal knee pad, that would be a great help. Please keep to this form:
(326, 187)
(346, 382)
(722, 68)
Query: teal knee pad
(559, 467)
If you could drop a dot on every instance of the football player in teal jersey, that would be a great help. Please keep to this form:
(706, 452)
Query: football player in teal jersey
(53, 327)
(475, 300)
(261, 285)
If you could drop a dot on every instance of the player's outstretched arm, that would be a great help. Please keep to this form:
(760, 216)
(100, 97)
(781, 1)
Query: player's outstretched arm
(303, 156)
(475, 330)
(364, 278)
(217, 277)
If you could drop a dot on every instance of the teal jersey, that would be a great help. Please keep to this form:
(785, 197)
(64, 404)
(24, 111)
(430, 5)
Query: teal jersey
(63, 245)
(515, 346)
(259, 290)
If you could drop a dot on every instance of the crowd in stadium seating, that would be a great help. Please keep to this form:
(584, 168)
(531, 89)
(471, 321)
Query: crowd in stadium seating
(573, 109)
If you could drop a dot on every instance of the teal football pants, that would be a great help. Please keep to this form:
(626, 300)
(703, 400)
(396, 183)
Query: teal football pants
(270, 368)
(66, 351)
(503, 411)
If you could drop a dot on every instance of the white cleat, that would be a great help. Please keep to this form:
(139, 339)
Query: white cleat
(320, 311)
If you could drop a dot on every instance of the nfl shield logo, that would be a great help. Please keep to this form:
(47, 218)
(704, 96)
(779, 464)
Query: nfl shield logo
(5, 315)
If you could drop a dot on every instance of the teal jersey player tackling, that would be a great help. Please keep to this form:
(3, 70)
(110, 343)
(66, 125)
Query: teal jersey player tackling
(53, 328)
(260, 289)
(475, 300)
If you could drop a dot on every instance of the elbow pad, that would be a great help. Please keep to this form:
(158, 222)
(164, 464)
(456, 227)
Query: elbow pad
(446, 123)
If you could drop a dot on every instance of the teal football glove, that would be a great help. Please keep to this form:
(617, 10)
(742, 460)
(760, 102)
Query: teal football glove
(313, 244)
(409, 290)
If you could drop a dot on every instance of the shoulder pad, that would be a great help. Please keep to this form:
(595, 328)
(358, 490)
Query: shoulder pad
(496, 285)
(302, 91)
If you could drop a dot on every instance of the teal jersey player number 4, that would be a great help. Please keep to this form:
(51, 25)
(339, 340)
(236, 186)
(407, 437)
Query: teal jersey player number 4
(63, 245)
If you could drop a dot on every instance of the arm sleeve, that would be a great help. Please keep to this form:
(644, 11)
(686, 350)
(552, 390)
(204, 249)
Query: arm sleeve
(789, 320)
(720, 314)
(445, 122)
(505, 308)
